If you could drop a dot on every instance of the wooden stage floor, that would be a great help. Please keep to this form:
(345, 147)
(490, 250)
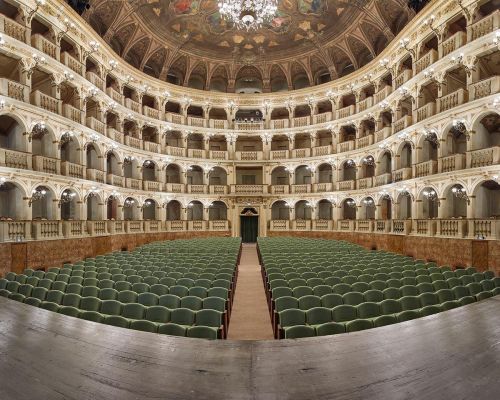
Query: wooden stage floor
(452, 355)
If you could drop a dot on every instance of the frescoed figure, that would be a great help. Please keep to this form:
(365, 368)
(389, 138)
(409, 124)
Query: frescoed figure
(185, 7)
(311, 6)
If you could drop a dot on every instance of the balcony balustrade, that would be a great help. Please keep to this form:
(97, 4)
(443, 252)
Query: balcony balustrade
(365, 104)
(301, 121)
(248, 189)
(483, 157)
(426, 61)
(97, 228)
(322, 150)
(197, 225)
(322, 118)
(96, 125)
(322, 225)
(15, 230)
(365, 225)
(382, 94)
(133, 226)
(151, 146)
(116, 227)
(196, 121)
(301, 189)
(455, 99)
(218, 225)
(175, 226)
(484, 228)
(15, 159)
(249, 126)
(72, 170)
(132, 183)
(346, 185)
(279, 154)
(249, 155)
(383, 133)
(364, 141)
(426, 168)
(402, 174)
(174, 118)
(72, 113)
(41, 43)
(46, 229)
(218, 123)
(383, 179)
(95, 80)
(301, 225)
(323, 187)
(115, 95)
(133, 105)
(113, 134)
(279, 123)
(402, 78)
(280, 189)
(346, 111)
(454, 42)
(279, 225)
(382, 226)
(488, 24)
(175, 151)
(71, 62)
(484, 88)
(346, 224)
(401, 226)
(401, 124)
(301, 153)
(46, 164)
(175, 187)
(452, 228)
(348, 145)
(115, 180)
(426, 111)
(218, 189)
(365, 183)
(196, 189)
(71, 229)
(454, 162)
(12, 28)
(196, 153)
(218, 155)
(95, 175)
(152, 186)
(151, 112)
(46, 102)
(133, 142)
(14, 90)
(425, 227)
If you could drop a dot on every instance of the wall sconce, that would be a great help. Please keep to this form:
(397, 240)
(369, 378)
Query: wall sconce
(113, 64)
(36, 195)
(266, 105)
(94, 47)
(403, 91)
(68, 25)
(430, 23)
(405, 137)
(66, 197)
(2, 104)
(147, 204)
(38, 4)
(369, 203)
(39, 129)
(94, 138)
(430, 135)
(39, 60)
(384, 63)
(368, 77)
(66, 138)
(460, 193)
(431, 195)
(93, 192)
(403, 43)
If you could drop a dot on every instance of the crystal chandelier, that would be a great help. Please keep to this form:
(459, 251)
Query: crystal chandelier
(248, 14)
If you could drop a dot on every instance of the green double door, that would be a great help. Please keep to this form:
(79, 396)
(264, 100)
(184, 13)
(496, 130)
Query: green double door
(249, 228)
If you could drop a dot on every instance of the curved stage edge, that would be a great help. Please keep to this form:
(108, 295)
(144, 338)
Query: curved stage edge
(451, 355)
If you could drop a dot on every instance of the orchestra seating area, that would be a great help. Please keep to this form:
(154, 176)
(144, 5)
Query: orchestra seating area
(181, 288)
(324, 287)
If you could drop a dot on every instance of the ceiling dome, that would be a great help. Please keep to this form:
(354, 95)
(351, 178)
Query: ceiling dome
(188, 43)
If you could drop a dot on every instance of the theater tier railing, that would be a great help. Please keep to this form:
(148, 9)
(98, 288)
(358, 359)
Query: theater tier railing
(124, 115)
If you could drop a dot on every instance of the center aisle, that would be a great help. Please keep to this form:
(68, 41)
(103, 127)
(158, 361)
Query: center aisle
(250, 316)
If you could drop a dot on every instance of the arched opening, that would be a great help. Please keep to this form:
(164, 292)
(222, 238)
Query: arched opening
(303, 141)
(131, 209)
(69, 205)
(455, 202)
(325, 210)
(43, 142)
(131, 168)
(367, 208)
(280, 176)
(149, 171)
(194, 175)
(173, 139)
(325, 173)
(174, 210)
(487, 132)
(112, 164)
(487, 200)
(280, 211)
(150, 134)
(248, 80)
(195, 211)
(217, 211)
(348, 171)
(69, 148)
(94, 206)
(173, 173)
(92, 157)
(42, 203)
(404, 205)
(279, 82)
(149, 210)
(112, 204)
(11, 201)
(367, 167)
(303, 210)
(279, 143)
(195, 141)
(218, 143)
(349, 209)
(428, 203)
(11, 134)
(303, 175)
(385, 205)
(384, 165)
(217, 176)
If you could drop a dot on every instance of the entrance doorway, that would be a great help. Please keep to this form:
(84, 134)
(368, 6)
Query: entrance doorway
(249, 225)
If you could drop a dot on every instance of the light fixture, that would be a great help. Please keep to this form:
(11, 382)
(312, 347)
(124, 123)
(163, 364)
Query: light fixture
(186, 101)
(68, 25)
(403, 43)
(430, 23)
(331, 95)
(266, 137)
(2, 104)
(496, 38)
(39, 129)
(129, 78)
(460, 193)
(2, 40)
(94, 137)
(311, 101)
(94, 47)
(384, 105)
(460, 128)
(128, 159)
(290, 104)
(368, 77)
(430, 194)
(38, 4)
(113, 64)
(92, 91)
(3, 181)
(66, 197)
(405, 137)
(66, 137)
(350, 203)
(403, 91)
(266, 104)
(128, 203)
(248, 14)
(430, 135)
(231, 106)
(430, 74)
(350, 164)
(369, 160)
(368, 202)
(384, 63)
(147, 204)
(39, 60)
(36, 195)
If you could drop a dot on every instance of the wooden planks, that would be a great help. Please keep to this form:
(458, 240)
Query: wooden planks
(451, 355)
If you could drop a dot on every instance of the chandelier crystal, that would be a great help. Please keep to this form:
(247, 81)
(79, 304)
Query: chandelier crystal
(248, 14)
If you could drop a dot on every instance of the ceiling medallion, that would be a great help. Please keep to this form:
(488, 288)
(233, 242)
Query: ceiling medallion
(248, 14)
